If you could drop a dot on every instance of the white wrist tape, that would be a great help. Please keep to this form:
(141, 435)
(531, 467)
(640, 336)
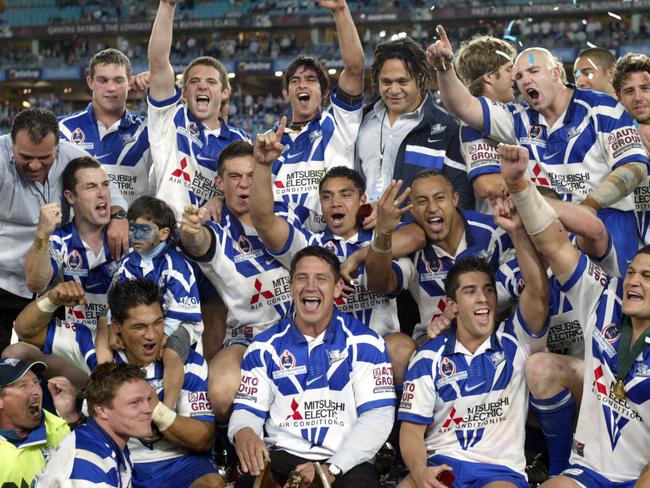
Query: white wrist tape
(535, 213)
(163, 416)
(46, 305)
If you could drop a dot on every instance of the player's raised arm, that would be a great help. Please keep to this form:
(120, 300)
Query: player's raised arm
(351, 79)
(455, 95)
(539, 218)
(161, 72)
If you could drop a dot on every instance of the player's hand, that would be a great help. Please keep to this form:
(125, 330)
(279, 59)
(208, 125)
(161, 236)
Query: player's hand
(333, 5)
(308, 472)
(171, 2)
(193, 220)
(251, 451)
(427, 477)
(214, 206)
(140, 82)
(514, 161)
(370, 221)
(118, 237)
(350, 267)
(505, 213)
(67, 293)
(64, 396)
(440, 54)
(268, 147)
(50, 216)
(390, 209)
(441, 323)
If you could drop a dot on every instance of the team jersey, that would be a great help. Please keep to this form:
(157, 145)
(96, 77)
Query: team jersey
(323, 143)
(73, 260)
(254, 286)
(475, 405)
(22, 459)
(74, 342)
(87, 458)
(310, 393)
(481, 157)
(426, 270)
(185, 153)
(593, 137)
(169, 269)
(611, 437)
(123, 149)
(377, 311)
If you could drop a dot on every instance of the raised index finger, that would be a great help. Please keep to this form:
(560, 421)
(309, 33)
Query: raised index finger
(280, 132)
(443, 35)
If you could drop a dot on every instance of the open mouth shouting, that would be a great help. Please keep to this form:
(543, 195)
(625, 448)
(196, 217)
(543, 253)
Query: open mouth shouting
(150, 349)
(102, 209)
(532, 94)
(482, 315)
(311, 304)
(436, 224)
(202, 102)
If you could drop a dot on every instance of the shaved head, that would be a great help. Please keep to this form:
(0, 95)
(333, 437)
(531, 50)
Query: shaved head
(536, 56)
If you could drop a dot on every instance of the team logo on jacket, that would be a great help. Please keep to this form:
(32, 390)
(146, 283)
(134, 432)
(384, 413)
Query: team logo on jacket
(74, 261)
(287, 360)
(78, 136)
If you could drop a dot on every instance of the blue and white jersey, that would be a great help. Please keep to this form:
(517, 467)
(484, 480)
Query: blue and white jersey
(377, 311)
(593, 137)
(74, 260)
(169, 269)
(87, 458)
(308, 154)
(475, 405)
(612, 435)
(122, 149)
(481, 157)
(311, 392)
(185, 153)
(427, 269)
(254, 286)
(74, 342)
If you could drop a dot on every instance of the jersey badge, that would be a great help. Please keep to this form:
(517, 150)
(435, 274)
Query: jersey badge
(74, 261)
(193, 129)
(315, 135)
(244, 245)
(78, 136)
(335, 356)
(497, 358)
(287, 360)
(437, 129)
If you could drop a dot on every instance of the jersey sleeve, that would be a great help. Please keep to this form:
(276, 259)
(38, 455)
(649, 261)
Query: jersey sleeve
(72, 342)
(193, 401)
(528, 341)
(255, 389)
(372, 374)
(498, 120)
(160, 118)
(480, 154)
(348, 120)
(419, 395)
(620, 139)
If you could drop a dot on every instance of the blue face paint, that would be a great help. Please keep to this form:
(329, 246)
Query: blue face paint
(531, 59)
(140, 232)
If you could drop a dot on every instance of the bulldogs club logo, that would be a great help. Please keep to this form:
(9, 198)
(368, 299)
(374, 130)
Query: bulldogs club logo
(78, 136)
(244, 245)
(287, 360)
(447, 367)
(74, 261)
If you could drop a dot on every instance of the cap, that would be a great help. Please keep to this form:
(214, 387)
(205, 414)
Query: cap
(11, 370)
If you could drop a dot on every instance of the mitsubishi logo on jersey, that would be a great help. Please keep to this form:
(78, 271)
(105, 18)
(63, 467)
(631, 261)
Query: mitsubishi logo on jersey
(278, 184)
(598, 381)
(539, 180)
(296, 414)
(442, 306)
(265, 293)
(452, 418)
(180, 172)
(78, 315)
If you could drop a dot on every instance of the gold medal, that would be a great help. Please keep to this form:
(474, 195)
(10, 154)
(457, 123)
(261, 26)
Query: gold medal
(619, 389)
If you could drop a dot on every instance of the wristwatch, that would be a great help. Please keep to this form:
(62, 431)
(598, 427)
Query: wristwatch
(335, 470)
(119, 215)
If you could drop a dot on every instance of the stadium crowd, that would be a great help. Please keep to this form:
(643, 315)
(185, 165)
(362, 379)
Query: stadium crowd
(382, 292)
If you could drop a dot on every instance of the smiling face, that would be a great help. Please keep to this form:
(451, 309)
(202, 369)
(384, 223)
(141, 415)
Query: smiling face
(110, 87)
(313, 289)
(434, 208)
(538, 78)
(636, 288)
(203, 92)
(142, 333)
(33, 161)
(476, 302)
(635, 96)
(340, 201)
(236, 183)
(91, 199)
(21, 404)
(129, 413)
(304, 94)
(398, 89)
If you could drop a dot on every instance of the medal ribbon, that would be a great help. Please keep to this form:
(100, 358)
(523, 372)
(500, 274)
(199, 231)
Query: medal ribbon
(627, 355)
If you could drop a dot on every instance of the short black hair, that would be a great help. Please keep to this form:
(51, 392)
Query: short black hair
(69, 175)
(318, 252)
(600, 56)
(410, 53)
(104, 381)
(466, 265)
(122, 297)
(38, 122)
(344, 172)
(237, 149)
(154, 209)
(428, 173)
(307, 62)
